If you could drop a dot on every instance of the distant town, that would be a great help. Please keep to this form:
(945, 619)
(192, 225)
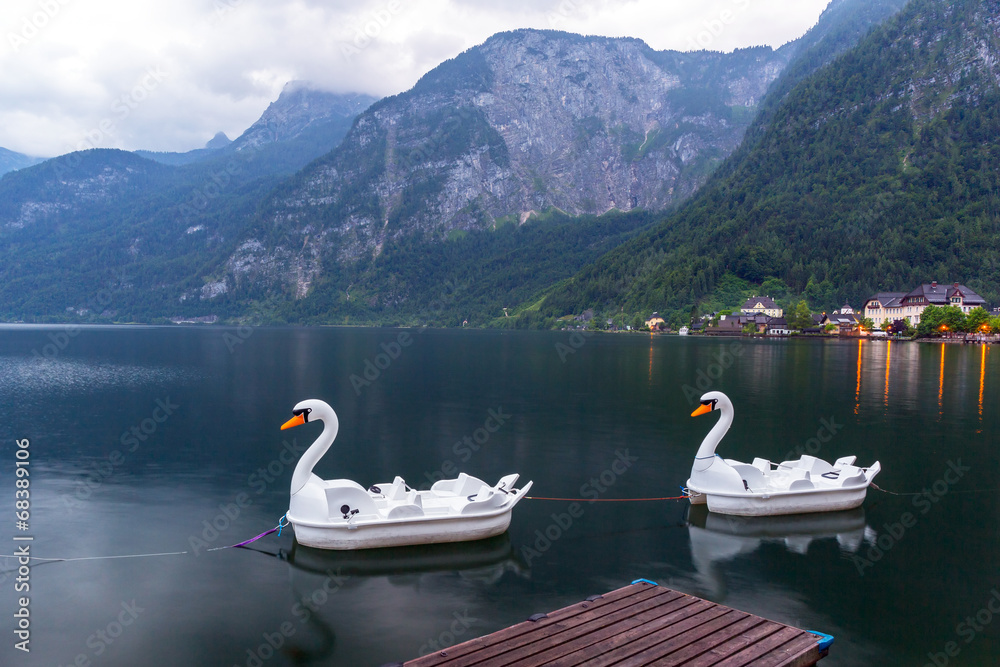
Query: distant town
(931, 310)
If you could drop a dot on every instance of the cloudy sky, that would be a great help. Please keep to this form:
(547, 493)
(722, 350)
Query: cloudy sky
(167, 76)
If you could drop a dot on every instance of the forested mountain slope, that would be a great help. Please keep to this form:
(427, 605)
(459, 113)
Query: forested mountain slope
(878, 172)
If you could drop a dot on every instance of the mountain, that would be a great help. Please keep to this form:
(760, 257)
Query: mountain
(304, 112)
(145, 224)
(220, 140)
(528, 122)
(480, 184)
(840, 27)
(301, 125)
(11, 161)
(880, 171)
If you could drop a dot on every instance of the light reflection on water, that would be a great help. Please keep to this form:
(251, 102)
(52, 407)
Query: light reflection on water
(898, 404)
(27, 375)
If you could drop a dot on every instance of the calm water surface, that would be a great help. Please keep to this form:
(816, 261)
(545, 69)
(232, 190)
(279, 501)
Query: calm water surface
(148, 440)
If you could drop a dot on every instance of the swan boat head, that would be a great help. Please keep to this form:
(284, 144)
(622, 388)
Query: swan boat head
(708, 468)
(312, 410)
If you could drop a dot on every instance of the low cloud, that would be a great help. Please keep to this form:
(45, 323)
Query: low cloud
(64, 63)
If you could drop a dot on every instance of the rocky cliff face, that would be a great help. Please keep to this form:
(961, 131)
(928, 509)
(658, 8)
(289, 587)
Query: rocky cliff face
(73, 184)
(299, 109)
(527, 122)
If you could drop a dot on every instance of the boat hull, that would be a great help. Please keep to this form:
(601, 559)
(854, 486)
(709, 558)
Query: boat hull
(778, 503)
(421, 530)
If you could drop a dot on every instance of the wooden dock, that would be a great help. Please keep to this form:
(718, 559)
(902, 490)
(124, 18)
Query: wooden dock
(640, 624)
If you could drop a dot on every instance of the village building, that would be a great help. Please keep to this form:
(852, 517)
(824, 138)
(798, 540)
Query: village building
(778, 326)
(847, 322)
(892, 306)
(761, 305)
(656, 323)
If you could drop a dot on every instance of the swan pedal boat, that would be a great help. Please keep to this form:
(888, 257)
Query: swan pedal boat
(763, 488)
(341, 514)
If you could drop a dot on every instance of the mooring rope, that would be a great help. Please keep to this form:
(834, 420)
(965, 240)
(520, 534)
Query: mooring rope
(925, 491)
(282, 523)
(66, 560)
(607, 500)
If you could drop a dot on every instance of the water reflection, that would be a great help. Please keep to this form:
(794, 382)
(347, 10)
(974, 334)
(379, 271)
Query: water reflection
(38, 375)
(982, 383)
(891, 374)
(857, 388)
(485, 560)
(718, 538)
(650, 359)
(333, 592)
(941, 385)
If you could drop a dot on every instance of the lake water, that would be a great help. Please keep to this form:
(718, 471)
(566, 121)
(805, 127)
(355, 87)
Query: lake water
(151, 440)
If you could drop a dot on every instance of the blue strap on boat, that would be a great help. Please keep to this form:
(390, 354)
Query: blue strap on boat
(824, 639)
(644, 581)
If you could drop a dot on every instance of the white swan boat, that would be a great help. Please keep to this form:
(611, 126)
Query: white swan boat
(342, 514)
(762, 488)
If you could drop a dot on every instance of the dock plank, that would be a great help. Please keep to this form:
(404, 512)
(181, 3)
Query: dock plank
(521, 633)
(726, 646)
(773, 650)
(699, 653)
(587, 648)
(637, 625)
(597, 628)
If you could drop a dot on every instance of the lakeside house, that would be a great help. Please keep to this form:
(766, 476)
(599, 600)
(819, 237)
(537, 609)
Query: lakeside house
(656, 323)
(847, 321)
(892, 306)
(778, 326)
(761, 305)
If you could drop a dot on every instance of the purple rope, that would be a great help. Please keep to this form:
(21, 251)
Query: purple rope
(282, 522)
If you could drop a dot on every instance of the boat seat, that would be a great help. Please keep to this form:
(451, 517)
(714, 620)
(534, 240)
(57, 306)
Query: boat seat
(762, 464)
(410, 504)
(844, 461)
(800, 479)
(814, 465)
(752, 476)
(397, 491)
(484, 501)
(463, 485)
(853, 480)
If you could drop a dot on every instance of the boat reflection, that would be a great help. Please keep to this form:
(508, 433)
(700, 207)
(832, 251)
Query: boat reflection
(484, 560)
(411, 588)
(717, 538)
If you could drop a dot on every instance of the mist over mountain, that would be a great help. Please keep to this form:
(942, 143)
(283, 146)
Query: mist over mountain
(11, 161)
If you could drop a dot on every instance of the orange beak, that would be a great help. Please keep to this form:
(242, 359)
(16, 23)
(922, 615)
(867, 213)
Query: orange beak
(294, 421)
(702, 409)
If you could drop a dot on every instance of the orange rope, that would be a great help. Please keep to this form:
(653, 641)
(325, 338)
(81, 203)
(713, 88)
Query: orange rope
(607, 500)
